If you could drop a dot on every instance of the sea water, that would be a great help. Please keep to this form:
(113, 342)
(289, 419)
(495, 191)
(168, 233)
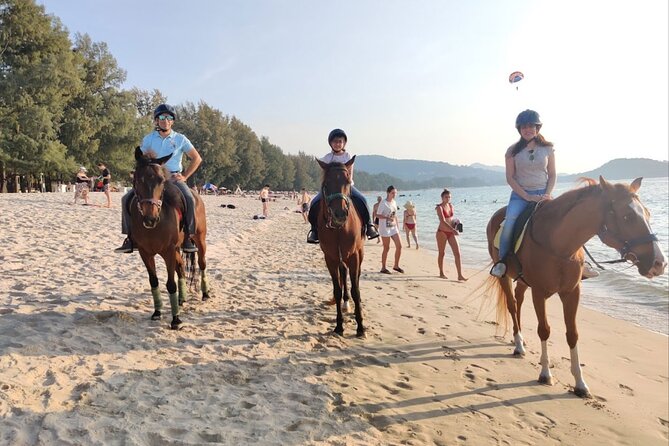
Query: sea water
(619, 291)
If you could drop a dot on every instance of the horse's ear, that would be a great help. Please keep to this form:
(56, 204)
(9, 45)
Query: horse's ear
(606, 186)
(138, 154)
(323, 165)
(163, 160)
(351, 161)
(636, 184)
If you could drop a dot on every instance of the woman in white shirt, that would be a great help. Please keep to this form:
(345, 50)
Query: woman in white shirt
(388, 229)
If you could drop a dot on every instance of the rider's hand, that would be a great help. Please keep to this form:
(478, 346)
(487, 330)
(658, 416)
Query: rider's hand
(178, 177)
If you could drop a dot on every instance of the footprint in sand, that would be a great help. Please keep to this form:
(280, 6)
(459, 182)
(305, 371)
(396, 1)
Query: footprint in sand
(628, 390)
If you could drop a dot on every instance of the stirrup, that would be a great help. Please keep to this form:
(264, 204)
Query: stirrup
(371, 232)
(498, 270)
(312, 237)
(126, 247)
(188, 246)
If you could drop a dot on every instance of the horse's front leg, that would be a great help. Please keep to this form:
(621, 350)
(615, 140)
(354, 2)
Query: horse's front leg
(170, 261)
(346, 308)
(202, 263)
(354, 271)
(544, 331)
(512, 307)
(333, 267)
(150, 263)
(569, 308)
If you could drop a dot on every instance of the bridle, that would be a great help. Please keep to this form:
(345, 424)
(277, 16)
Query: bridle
(621, 244)
(329, 198)
(158, 203)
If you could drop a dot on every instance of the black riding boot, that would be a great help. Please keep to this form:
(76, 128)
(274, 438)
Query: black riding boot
(312, 237)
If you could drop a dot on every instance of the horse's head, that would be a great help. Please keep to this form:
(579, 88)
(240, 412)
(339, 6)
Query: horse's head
(149, 184)
(627, 228)
(336, 191)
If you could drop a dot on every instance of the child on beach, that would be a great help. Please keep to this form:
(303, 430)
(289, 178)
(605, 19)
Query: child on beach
(410, 220)
(303, 202)
(337, 140)
(447, 232)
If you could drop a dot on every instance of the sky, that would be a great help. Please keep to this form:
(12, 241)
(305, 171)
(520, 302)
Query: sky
(423, 79)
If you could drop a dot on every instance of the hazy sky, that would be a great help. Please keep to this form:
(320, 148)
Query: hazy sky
(405, 79)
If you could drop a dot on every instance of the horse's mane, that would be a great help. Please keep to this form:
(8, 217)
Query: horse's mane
(562, 204)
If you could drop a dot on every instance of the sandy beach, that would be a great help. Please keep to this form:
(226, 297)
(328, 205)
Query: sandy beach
(82, 364)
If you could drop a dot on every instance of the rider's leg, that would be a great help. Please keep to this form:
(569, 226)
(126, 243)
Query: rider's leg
(361, 206)
(312, 237)
(189, 217)
(126, 247)
(515, 207)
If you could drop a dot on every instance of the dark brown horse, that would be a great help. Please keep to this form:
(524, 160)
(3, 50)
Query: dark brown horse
(156, 215)
(551, 256)
(340, 235)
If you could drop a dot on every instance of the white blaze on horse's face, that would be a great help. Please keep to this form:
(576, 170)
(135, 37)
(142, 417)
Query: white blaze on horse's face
(659, 262)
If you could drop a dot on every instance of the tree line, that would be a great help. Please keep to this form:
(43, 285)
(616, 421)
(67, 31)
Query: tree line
(62, 105)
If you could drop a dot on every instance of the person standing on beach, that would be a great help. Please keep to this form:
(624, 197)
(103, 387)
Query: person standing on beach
(105, 175)
(410, 220)
(81, 185)
(303, 202)
(337, 140)
(161, 142)
(388, 224)
(264, 198)
(447, 232)
(530, 171)
(375, 217)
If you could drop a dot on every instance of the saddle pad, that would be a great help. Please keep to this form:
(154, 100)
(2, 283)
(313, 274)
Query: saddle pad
(519, 240)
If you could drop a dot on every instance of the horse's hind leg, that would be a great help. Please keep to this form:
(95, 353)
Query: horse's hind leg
(544, 331)
(337, 292)
(569, 308)
(150, 263)
(202, 264)
(519, 294)
(513, 308)
(183, 293)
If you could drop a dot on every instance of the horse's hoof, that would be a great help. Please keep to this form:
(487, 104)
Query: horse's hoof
(546, 380)
(176, 323)
(156, 315)
(181, 302)
(346, 308)
(339, 331)
(582, 393)
(361, 334)
(519, 353)
(205, 297)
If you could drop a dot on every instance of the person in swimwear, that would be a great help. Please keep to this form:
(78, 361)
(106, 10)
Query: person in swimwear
(446, 232)
(264, 198)
(410, 219)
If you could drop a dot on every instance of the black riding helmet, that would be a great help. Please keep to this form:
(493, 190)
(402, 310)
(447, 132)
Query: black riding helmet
(528, 117)
(164, 108)
(335, 134)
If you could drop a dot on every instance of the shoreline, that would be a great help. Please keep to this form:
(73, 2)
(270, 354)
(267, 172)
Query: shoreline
(258, 364)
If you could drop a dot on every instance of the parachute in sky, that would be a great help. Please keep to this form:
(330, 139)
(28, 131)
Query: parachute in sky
(516, 77)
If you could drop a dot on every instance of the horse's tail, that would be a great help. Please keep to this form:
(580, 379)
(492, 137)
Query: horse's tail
(191, 277)
(493, 287)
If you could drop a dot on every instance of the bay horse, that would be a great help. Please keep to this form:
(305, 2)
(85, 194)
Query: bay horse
(340, 237)
(156, 217)
(551, 255)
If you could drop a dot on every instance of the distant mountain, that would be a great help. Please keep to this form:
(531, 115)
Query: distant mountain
(423, 171)
(625, 168)
(487, 167)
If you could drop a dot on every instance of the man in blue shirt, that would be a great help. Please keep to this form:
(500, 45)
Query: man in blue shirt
(161, 142)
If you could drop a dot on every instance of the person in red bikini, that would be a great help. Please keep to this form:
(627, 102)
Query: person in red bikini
(446, 232)
(410, 220)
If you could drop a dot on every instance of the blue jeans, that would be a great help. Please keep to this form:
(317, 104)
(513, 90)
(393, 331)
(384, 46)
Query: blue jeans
(359, 201)
(515, 207)
(190, 208)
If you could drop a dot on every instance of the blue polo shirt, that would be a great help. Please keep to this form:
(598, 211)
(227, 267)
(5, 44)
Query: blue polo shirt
(175, 143)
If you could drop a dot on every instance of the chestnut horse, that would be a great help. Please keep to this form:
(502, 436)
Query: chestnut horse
(340, 236)
(551, 256)
(156, 214)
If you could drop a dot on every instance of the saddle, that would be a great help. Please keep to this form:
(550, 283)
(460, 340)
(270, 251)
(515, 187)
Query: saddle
(519, 229)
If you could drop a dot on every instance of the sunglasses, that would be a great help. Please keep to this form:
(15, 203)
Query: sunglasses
(166, 118)
(532, 155)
